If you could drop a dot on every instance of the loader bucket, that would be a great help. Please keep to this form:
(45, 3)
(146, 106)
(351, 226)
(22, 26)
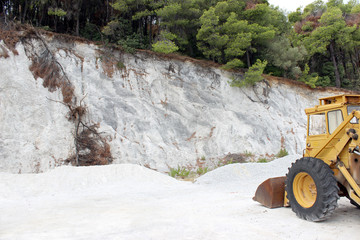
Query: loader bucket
(271, 192)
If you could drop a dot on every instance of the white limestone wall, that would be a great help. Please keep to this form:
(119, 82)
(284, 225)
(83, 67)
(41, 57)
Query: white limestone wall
(156, 112)
(34, 132)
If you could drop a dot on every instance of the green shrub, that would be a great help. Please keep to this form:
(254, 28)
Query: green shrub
(252, 76)
(173, 172)
(91, 32)
(234, 64)
(309, 79)
(282, 153)
(56, 12)
(165, 46)
(132, 42)
(201, 171)
(47, 28)
(179, 172)
(262, 160)
(120, 65)
(248, 154)
(323, 81)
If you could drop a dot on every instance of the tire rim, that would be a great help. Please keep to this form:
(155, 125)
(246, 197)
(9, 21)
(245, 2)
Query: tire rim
(304, 190)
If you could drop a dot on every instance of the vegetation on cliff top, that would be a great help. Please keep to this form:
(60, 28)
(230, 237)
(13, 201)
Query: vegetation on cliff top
(319, 44)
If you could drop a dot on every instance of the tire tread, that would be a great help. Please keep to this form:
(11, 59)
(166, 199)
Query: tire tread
(326, 184)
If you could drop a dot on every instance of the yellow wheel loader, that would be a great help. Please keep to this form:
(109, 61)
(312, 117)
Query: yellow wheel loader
(330, 166)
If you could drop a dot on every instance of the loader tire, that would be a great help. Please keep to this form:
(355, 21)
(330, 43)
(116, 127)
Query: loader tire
(312, 189)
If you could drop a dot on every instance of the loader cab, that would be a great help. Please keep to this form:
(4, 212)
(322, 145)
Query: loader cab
(325, 118)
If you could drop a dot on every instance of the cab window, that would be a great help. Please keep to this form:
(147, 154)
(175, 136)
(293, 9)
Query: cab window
(335, 118)
(317, 124)
(350, 109)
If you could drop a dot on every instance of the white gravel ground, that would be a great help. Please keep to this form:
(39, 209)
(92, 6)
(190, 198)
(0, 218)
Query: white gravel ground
(132, 202)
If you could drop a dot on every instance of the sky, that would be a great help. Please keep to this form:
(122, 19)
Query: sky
(291, 5)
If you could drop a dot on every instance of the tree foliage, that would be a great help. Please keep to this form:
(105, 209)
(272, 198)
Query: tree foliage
(181, 17)
(330, 33)
(318, 44)
(281, 54)
(226, 35)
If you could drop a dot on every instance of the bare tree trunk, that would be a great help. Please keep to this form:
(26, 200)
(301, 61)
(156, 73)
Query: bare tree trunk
(55, 23)
(24, 11)
(107, 11)
(3, 11)
(336, 70)
(354, 61)
(343, 56)
(150, 30)
(223, 58)
(77, 31)
(78, 11)
(112, 9)
(248, 57)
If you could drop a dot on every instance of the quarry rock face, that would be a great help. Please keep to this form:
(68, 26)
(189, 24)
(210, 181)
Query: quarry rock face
(149, 109)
